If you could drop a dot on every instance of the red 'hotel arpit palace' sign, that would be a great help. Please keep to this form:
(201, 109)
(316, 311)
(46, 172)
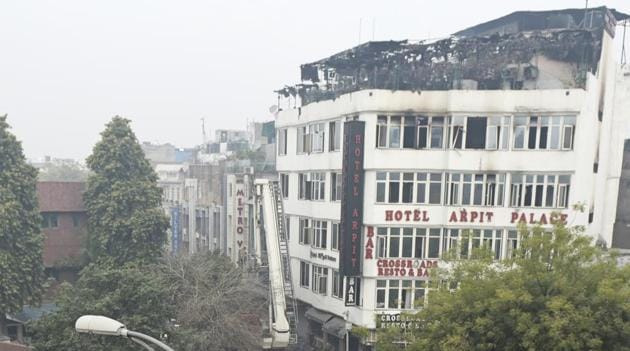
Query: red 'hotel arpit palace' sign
(466, 216)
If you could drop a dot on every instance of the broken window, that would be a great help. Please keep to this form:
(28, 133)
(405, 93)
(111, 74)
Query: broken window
(476, 132)
(457, 132)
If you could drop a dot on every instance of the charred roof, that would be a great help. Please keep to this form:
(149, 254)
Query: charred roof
(500, 54)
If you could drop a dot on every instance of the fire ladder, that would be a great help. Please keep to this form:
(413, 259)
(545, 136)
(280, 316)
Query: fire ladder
(291, 305)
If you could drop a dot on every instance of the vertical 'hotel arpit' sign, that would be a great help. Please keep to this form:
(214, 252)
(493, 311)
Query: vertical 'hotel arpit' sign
(352, 198)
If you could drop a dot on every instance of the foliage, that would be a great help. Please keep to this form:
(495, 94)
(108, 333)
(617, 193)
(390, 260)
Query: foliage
(125, 221)
(218, 308)
(63, 172)
(133, 295)
(21, 264)
(558, 292)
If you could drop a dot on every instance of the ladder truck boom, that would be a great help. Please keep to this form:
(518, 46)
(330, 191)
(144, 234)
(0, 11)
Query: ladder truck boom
(283, 310)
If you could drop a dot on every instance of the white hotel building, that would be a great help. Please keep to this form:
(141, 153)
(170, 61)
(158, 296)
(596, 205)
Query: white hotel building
(530, 130)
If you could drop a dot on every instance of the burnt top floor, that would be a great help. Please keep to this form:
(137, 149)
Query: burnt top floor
(510, 52)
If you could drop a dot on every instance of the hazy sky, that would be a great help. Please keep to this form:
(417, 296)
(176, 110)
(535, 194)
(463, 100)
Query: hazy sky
(68, 66)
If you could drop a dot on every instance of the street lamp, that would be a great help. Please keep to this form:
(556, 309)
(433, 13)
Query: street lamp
(102, 325)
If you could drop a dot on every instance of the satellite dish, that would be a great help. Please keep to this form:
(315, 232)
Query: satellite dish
(273, 109)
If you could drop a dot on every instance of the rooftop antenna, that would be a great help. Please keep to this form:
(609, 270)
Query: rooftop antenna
(203, 129)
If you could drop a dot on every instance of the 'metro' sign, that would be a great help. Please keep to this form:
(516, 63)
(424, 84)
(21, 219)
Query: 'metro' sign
(352, 198)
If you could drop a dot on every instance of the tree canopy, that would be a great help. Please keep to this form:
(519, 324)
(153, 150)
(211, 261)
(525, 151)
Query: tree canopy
(125, 220)
(558, 292)
(21, 264)
(218, 307)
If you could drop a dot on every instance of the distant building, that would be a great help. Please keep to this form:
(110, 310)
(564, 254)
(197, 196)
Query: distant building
(64, 223)
(167, 153)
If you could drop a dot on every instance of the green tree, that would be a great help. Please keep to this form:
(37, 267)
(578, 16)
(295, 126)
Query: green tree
(558, 292)
(21, 267)
(126, 236)
(133, 295)
(125, 221)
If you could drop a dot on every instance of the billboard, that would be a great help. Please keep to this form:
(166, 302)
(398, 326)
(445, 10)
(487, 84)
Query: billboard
(352, 198)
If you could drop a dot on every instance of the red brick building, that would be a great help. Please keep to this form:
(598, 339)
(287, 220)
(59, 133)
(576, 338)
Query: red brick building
(64, 222)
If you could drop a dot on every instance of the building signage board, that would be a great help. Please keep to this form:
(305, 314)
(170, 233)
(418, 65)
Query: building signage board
(352, 198)
(175, 229)
(353, 290)
(472, 216)
(397, 320)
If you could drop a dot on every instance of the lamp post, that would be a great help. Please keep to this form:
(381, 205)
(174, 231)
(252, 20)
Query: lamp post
(102, 325)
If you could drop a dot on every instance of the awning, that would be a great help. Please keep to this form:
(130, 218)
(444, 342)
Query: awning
(317, 315)
(335, 326)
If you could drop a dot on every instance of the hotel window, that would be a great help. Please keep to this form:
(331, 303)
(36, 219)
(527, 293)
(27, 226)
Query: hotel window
(284, 185)
(457, 132)
(320, 234)
(473, 239)
(539, 190)
(400, 294)
(512, 243)
(318, 184)
(282, 142)
(544, 132)
(305, 231)
(430, 132)
(304, 186)
(337, 284)
(410, 132)
(475, 189)
(320, 279)
(304, 274)
(408, 242)
(303, 140)
(317, 133)
(334, 135)
(409, 187)
(388, 132)
(334, 240)
(498, 133)
(335, 186)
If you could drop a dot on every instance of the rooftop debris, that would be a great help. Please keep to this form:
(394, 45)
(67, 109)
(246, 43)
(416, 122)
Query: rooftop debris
(500, 54)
